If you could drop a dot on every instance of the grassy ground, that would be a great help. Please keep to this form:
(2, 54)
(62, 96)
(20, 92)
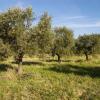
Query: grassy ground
(73, 79)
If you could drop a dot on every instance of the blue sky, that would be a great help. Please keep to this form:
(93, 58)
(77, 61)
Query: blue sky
(82, 16)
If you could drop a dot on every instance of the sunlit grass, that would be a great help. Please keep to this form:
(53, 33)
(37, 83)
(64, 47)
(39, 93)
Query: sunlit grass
(73, 79)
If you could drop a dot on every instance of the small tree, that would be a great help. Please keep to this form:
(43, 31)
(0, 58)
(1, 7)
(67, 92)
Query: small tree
(63, 41)
(85, 44)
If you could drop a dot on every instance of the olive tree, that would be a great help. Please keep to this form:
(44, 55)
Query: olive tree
(13, 26)
(63, 42)
(41, 35)
(87, 44)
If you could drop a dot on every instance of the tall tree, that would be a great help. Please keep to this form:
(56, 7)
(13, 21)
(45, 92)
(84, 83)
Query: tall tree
(42, 34)
(13, 26)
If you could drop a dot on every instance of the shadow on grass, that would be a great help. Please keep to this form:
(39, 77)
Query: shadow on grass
(4, 67)
(52, 60)
(77, 70)
(30, 63)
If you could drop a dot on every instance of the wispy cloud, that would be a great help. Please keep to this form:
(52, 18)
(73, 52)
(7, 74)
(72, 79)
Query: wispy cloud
(75, 25)
(98, 23)
(76, 22)
(1, 11)
(20, 4)
(85, 25)
(74, 17)
(79, 25)
(65, 17)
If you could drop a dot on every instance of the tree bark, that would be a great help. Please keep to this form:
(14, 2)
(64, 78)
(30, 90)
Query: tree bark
(59, 58)
(87, 58)
(20, 60)
(20, 68)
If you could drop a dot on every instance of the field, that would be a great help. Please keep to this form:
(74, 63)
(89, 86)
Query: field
(72, 79)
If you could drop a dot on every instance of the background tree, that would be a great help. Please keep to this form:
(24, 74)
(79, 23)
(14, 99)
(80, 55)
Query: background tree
(87, 44)
(63, 42)
(96, 39)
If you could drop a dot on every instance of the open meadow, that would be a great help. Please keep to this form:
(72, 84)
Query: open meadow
(72, 79)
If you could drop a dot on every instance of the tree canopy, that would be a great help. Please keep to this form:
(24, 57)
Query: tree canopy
(63, 41)
(18, 34)
(88, 44)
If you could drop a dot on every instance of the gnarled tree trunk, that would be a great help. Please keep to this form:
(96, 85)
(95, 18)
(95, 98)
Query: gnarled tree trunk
(20, 68)
(20, 60)
(86, 55)
(59, 58)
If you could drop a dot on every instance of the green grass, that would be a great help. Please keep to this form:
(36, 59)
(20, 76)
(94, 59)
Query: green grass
(73, 79)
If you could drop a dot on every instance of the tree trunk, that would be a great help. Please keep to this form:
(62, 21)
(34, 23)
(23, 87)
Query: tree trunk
(86, 56)
(20, 68)
(59, 59)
